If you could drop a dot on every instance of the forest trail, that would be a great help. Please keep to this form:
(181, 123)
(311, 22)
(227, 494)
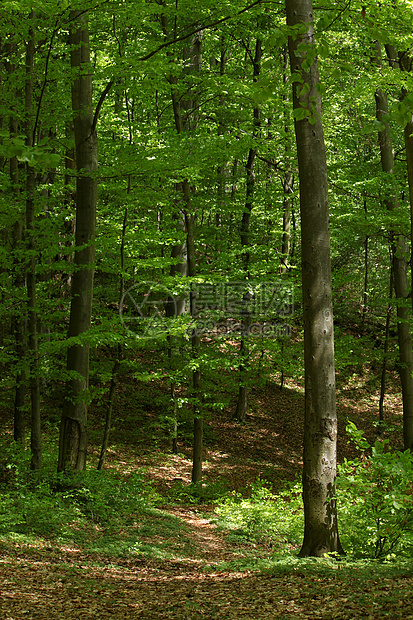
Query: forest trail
(183, 567)
(42, 584)
(204, 536)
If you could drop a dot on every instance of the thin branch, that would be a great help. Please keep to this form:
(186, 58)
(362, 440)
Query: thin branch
(100, 103)
(353, 194)
(196, 30)
(45, 81)
(339, 14)
(273, 164)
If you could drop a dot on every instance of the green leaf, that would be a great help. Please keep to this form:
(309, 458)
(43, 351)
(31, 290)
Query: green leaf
(301, 113)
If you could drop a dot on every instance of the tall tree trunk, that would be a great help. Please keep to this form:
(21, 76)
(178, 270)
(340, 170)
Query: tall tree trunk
(73, 431)
(196, 345)
(385, 354)
(366, 272)
(242, 403)
(116, 365)
(320, 425)
(288, 180)
(18, 319)
(221, 170)
(400, 257)
(186, 121)
(406, 65)
(35, 441)
(193, 57)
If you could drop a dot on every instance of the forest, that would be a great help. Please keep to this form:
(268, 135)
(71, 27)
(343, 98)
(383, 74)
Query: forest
(206, 387)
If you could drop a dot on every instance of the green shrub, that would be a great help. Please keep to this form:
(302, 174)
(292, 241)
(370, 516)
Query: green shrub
(375, 499)
(264, 517)
(107, 498)
(65, 505)
(198, 492)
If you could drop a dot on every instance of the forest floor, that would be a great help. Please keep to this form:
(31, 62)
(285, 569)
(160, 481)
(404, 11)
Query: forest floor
(188, 567)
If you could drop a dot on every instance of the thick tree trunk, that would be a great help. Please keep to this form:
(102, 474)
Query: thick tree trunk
(73, 433)
(320, 426)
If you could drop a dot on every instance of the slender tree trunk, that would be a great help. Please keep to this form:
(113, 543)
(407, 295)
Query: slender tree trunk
(175, 306)
(242, 403)
(115, 369)
(320, 425)
(288, 180)
(73, 431)
(18, 319)
(400, 257)
(196, 345)
(385, 354)
(186, 121)
(366, 272)
(108, 416)
(35, 441)
(221, 170)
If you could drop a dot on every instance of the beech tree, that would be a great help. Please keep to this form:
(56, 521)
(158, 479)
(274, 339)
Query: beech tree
(182, 162)
(320, 423)
(399, 258)
(35, 442)
(73, 430)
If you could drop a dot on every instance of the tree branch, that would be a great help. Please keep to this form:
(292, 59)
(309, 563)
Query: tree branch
(100, 103)
(196, 30)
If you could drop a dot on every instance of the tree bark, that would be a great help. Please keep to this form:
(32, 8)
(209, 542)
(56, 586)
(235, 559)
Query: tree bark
(18, 319)
(240, 413)
(73, 431)
(116, 365)
(35, 436)
(320, 425)
(366, 272)
(399, 254)
(288, 180)
(385, 354)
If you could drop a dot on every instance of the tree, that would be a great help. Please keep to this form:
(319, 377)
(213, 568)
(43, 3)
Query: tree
(242, 402)
(35, 441)
(73, 431)
(399, 253)
(320, 424)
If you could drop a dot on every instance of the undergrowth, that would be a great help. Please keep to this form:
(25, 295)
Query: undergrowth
(69, 506)
(275, 520)
(117, 514)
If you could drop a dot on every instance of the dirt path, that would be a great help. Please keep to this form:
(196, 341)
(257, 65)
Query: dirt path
(52, 584)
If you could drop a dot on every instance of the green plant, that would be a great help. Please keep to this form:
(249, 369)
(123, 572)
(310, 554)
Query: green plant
(66, 505)
(265, 517)
(375, 499)
(198, 492)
